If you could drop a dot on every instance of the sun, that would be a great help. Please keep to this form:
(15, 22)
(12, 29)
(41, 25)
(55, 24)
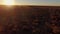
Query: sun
(8, 2)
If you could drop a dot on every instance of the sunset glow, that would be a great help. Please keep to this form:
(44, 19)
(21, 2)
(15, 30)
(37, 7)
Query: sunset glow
(8, 2)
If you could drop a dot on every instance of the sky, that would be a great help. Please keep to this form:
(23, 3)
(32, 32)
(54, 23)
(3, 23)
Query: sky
(37, 2)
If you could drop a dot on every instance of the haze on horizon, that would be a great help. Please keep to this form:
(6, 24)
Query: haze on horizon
(35, 2)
